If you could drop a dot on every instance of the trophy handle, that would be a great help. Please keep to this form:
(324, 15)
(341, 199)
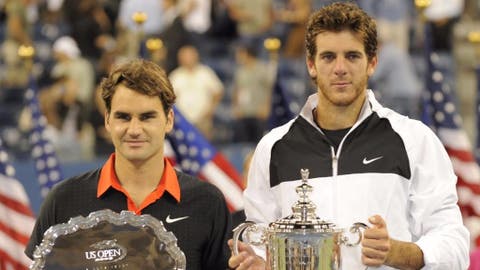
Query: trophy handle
(356, 228)
(248, 227)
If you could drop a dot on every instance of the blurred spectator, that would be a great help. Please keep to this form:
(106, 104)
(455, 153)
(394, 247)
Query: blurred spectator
(223, 27)
(111, 9)
(102, 143)
(254, 20)
(444, 9)
(74, 82)
(197, 20)
(252, 93)
(52, 23)
(393, 19)
(472, 10)
(18, 33)
(129, 34)
(174, 35)
(68, 101)
(198, 89)
(396, 82)
(295, 15)
(442, 15)
(196, 15)
(90, 26)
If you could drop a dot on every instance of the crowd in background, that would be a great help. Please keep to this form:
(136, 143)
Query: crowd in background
(213, 52)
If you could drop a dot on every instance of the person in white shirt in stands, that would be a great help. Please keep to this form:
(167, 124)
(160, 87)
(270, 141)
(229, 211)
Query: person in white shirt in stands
(198, 89)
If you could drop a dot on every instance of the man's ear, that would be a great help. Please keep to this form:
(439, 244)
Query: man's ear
(170, 121)
(107, 121)
(371, 66)
(312, 71)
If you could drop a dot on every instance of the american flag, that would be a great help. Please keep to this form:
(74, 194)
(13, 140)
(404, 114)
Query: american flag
(193, 154)
(43, 152)
(441, 114)
(16, 218)
(475, 254)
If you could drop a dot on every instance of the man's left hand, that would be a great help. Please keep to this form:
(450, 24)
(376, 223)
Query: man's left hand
(376, 243)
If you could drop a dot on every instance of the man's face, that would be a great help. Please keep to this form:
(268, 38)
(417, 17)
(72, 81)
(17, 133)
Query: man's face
(137, 125)
(340, 68)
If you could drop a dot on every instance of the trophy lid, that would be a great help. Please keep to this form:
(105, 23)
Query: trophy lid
(303, 217)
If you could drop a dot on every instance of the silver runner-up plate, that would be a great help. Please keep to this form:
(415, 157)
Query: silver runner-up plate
(108, 240)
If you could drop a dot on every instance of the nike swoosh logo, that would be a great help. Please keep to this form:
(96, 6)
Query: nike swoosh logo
(368, 161)
(172, 220)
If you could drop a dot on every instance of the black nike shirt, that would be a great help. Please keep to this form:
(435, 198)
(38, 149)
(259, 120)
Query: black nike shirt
(201, 221)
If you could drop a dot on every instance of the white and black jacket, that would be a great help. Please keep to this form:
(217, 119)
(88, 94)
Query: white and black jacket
(387, 164)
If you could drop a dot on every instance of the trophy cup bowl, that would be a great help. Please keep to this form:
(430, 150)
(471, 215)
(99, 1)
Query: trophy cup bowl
(301, 240)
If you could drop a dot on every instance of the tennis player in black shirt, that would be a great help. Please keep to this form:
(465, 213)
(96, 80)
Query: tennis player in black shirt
(137, 176)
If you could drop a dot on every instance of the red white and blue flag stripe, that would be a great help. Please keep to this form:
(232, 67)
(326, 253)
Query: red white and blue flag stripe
(193, 154)
(440, 113)
(47, 165)
(16, 218)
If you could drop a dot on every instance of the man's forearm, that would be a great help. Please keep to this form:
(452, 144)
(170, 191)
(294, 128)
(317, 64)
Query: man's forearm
(404, 255)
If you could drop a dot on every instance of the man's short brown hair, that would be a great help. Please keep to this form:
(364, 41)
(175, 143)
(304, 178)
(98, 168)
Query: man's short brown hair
(142, 76)
(339, 17)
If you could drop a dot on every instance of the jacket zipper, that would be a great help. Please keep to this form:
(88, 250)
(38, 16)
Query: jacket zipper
(334, 162)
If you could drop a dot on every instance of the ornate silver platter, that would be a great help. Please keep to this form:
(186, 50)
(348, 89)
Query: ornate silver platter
(109, 240)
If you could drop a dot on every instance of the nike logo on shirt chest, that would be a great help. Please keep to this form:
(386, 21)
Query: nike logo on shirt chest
(172, 220)
(368, 161)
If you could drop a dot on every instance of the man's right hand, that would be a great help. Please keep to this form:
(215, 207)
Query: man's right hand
(246, 258)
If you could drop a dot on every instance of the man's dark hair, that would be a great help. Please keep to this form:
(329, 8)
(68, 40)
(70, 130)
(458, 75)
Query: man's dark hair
(141, 76)
(338, 17)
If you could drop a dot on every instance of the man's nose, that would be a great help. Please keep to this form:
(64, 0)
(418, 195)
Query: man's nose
(340, 66)
(135, 126)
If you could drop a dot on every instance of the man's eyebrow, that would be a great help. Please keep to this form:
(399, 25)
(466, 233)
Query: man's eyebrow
(342, 52)
(120, 113)
(325, 52)
(354, 51)
(149, 113)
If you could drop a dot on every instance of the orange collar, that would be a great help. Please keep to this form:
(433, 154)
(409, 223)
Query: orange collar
(168, 182)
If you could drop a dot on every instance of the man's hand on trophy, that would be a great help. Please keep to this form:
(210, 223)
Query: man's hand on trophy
(246, 258)
(376, 243)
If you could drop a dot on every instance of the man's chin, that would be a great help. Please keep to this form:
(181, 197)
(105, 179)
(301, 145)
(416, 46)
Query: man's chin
(342, 101)
(135, 157)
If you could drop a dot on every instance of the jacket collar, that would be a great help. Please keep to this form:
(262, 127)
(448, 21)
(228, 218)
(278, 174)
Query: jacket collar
(370, 105)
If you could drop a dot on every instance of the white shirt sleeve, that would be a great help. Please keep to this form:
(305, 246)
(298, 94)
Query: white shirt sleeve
(436, 221)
